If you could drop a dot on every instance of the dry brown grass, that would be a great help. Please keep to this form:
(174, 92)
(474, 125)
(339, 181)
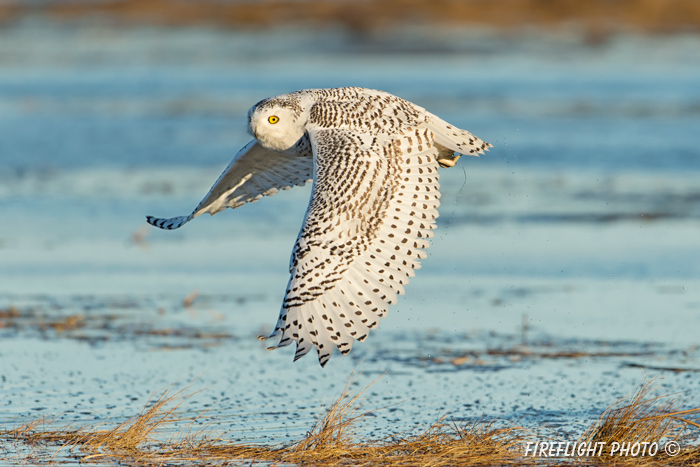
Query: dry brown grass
(648, 417)
(133, 439)
(331, 442)
(595, 17)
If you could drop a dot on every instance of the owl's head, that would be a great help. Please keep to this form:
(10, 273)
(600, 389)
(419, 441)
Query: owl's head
(277, 123)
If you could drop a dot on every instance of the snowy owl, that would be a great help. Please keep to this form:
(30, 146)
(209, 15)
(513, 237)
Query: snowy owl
(373, 159)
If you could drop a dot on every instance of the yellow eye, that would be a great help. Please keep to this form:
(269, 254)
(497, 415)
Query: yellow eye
(273, 119)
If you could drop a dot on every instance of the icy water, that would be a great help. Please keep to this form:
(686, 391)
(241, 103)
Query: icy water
(565, 270)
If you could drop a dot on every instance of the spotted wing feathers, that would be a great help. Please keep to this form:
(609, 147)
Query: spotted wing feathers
(372, 211)
(253, 173)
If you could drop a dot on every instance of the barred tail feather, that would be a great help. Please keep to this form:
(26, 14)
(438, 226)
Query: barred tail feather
(451, 140)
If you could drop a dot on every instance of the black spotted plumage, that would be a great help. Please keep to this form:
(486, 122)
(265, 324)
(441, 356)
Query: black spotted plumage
(374, 160)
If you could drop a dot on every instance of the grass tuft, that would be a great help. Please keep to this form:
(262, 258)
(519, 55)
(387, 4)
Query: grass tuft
(645, 416)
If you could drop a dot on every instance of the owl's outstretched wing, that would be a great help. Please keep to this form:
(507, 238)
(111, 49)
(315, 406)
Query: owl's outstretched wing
(253, 173)
(372, 211)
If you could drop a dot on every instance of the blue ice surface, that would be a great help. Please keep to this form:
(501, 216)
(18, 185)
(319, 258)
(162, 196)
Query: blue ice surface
(140, 98)
(581, 222)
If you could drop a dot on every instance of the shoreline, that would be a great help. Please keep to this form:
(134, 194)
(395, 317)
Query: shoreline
(595, 19)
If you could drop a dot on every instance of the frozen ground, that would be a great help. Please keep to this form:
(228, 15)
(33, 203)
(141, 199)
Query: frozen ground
(565, 270)
(624, 288)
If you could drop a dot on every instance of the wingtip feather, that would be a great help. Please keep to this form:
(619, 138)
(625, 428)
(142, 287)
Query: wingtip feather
(168, 224)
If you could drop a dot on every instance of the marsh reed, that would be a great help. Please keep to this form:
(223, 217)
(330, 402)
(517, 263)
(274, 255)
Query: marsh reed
(333, 440)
